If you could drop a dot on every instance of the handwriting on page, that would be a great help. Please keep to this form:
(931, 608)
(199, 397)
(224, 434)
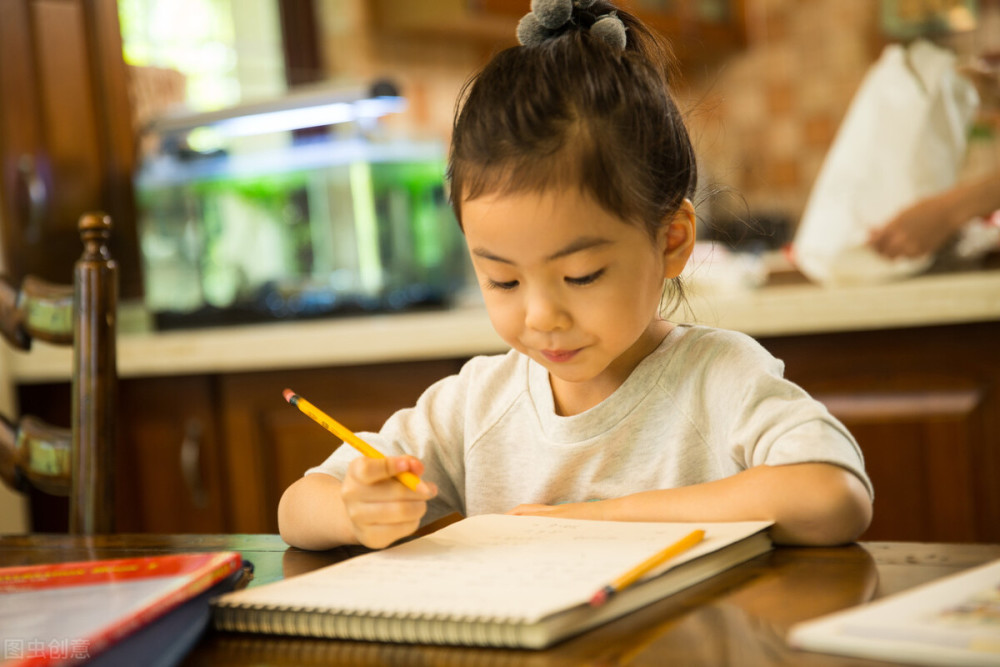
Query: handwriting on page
(526, 567)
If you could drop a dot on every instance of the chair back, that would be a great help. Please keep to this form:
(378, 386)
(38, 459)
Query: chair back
(78, 462)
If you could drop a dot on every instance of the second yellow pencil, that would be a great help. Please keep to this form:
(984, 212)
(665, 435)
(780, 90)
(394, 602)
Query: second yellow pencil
(646, 566)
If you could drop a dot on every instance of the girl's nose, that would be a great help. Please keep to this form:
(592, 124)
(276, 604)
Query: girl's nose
(544, 312)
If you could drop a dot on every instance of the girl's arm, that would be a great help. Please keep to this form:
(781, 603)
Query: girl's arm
(311, 514)
(810, 503)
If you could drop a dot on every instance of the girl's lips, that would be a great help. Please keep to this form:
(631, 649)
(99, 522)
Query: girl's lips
(559, 356)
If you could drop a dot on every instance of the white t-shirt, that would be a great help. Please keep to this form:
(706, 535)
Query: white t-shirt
(706, 404)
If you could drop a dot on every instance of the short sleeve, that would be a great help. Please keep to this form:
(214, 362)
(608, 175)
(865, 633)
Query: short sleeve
(765, 419)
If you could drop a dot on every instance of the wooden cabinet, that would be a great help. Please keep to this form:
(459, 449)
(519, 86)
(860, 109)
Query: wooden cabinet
(66, 143)
(699, 31)
(214, 453)
(711, 26)
(446, 22)
(924, 404)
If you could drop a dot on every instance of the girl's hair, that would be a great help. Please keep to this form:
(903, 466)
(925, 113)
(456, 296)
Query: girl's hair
(576, 111)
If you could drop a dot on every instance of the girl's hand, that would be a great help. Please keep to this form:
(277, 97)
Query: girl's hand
(381, 510)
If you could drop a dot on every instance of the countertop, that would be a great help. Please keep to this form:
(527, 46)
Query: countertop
(773, 310)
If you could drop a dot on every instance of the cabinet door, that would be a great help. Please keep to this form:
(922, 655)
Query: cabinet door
(924, 444)
(270, 444)
(924, 405)
(169, 457)
(66, 144)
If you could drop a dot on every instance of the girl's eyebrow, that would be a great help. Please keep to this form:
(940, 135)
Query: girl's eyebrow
(577, 245)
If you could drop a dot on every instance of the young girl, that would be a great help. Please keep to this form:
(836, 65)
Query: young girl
(571, 175)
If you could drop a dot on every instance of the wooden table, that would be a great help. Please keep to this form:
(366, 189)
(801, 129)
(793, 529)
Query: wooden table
(739, 617)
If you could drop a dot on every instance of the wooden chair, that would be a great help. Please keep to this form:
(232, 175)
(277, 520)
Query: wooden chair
(79, 461)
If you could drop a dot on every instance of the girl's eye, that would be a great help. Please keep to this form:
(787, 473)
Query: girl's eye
(585, 280)
(509, 285)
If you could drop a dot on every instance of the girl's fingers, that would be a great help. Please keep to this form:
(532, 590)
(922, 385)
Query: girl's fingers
(372, 471)
(379, 524)
(381, 474)
(387, 513)
(382, 509)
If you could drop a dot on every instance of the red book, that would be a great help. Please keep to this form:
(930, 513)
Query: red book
(65, 613)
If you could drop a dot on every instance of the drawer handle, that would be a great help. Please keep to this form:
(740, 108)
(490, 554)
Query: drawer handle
(191, 463)
(38, 198)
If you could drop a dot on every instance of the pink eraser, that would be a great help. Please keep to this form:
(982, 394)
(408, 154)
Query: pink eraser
(599, 598)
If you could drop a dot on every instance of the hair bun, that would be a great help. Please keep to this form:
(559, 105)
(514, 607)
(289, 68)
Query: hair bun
(547, 18)
(530, 32)
(610, 29)
(552, 14)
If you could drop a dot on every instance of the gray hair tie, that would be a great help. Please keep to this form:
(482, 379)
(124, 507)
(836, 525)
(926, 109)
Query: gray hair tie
(547, 18)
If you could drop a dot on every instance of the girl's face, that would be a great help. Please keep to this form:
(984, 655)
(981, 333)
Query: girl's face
(574, 287)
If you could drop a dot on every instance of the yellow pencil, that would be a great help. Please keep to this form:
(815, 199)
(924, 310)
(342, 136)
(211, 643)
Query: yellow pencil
(630, 577)
(333, 426)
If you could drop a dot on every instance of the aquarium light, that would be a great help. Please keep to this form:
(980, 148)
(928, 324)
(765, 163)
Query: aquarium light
(284, 120)
(299, 109)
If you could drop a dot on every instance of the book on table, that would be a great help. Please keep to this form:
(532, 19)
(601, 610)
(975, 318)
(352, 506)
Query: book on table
(489, 580)
(950, 621)
(141, 610)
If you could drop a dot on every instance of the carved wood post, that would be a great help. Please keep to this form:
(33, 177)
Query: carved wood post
(94, 380)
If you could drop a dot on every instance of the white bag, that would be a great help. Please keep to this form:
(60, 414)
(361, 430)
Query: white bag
(903, 138)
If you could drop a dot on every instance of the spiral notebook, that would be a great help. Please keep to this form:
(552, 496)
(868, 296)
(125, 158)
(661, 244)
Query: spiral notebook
(489, 580)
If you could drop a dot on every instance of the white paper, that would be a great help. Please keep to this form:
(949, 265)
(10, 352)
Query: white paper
(492, 567)
(951, 621)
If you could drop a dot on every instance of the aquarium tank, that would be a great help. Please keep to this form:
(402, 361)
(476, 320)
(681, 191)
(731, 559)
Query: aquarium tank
(292, 227)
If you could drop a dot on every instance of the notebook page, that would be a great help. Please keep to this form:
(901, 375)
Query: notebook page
(493, 567)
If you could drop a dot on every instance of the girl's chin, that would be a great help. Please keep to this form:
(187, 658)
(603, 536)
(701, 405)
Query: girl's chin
(566, 373)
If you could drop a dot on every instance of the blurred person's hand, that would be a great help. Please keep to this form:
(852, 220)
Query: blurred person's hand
(926, 225)
(984, 72)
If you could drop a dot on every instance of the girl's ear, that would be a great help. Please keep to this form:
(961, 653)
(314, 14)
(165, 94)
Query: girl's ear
(679, 231)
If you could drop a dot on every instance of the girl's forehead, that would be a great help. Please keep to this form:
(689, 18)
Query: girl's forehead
(548, 203)
(569, 208)
(539, 223)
